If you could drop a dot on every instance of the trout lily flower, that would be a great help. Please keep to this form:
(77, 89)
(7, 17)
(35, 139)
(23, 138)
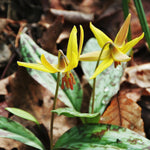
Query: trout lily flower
(65, 63)
(113, 51)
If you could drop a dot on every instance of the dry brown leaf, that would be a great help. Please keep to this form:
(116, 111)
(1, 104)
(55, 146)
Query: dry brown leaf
(3, 24)
(9, 144)
(64, 35)
(4, 83)
(3, 112)
(139, 75)
(124, 112)
(56, 4)
(146, 92)
(131, 91)
(49, 37)
(73, 16)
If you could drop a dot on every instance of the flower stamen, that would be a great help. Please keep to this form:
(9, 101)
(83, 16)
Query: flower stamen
(68, 80)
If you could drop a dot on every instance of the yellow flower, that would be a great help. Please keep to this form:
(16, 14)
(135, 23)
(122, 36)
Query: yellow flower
(113, 51)
(65, 63)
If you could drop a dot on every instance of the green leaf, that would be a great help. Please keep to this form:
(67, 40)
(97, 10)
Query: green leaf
(143, 20)
(13, 130)
(101, 137)
(31, 53)
(85, 117)
(23, 114)
(107, 83)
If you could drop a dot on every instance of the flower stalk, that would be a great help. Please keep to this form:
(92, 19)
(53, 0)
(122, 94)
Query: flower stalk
(54, 106)
(94, 80)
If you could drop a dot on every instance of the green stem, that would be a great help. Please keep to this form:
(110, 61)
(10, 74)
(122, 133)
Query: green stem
(125, 5)
(143, 21)
(54, 105)
(94, 80)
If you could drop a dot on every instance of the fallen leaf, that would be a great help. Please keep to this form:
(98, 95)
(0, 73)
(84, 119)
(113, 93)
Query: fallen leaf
(56, 4)
(146, 92)
(73, 16)
(3, 24)
(8, 144)
(5, 54)
(3, 112)
(131, 91)
(50, 35)
(124, 112)
(64, 35)
(139, 75)
(4, 83)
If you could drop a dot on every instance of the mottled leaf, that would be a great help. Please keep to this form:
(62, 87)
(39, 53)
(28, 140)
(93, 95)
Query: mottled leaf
(31, 53)
(124, 112)
(23, 114)
(13, 130)
(101, 137)
(85, 117)
(107, 83)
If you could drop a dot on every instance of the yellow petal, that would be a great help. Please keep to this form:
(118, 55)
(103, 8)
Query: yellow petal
(131, 44)
(122, 34)
(119, 56)
(101, 37)
(72, 48)
(93, 56)
(33, 66)
(73, 64)
(105, 64)
(50, 67)
(81, 39)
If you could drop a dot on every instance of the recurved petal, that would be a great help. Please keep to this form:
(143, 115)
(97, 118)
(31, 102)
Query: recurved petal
(72, 64)
(50, 67)
(122, 34)
(101, 37)
(131, 44)
(93, 56)
(119, 56)
(81, 39)
(33, 66)
(105, 64)
(72, 48)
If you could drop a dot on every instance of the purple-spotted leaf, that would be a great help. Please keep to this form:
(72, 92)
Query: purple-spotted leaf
(13, 130)
(101, 137)
(85, 117)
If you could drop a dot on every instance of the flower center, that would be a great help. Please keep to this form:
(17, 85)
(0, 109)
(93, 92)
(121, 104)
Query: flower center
(112, 49)
(62, 60)
(68, 80)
